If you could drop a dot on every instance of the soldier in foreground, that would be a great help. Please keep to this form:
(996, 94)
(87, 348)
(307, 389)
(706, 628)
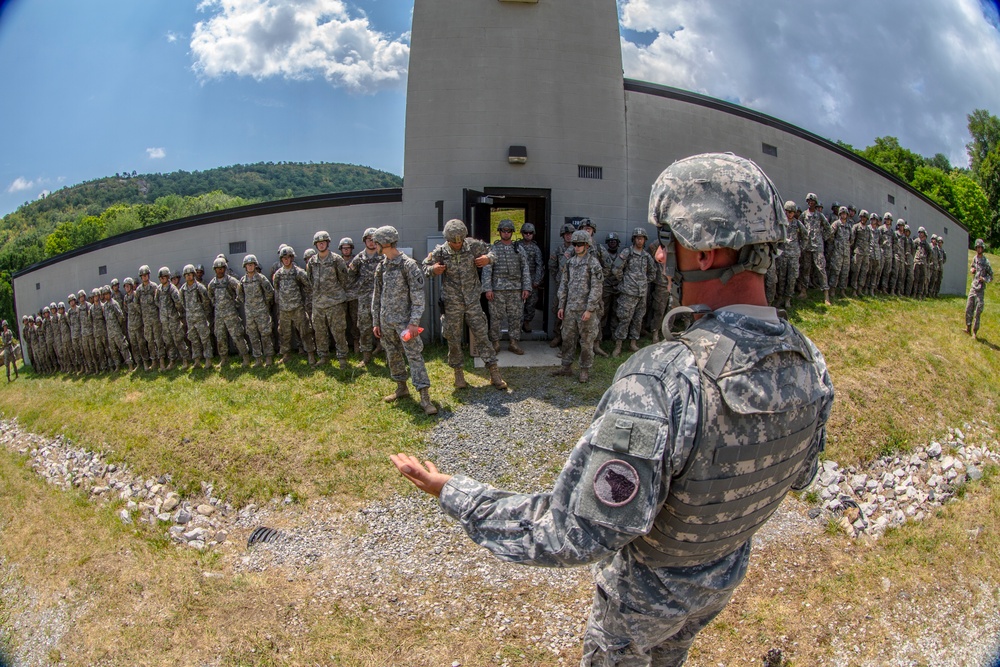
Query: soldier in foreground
(982, 273)
(397, 306)
(657, 490)
(9, 358)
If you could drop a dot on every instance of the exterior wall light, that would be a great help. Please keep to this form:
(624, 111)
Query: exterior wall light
(517, 154)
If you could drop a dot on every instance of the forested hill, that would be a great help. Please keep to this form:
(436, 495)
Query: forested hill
(80, 214)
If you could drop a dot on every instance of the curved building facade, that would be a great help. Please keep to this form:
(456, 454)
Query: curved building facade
(516, 104)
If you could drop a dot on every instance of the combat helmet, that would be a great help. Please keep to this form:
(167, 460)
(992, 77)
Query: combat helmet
(527, 228)
(640, 231)
(82, 294)
(587, 222)
(188, 268)
(250, 259)
(321, 236)
(387, 235)
(95, 292)
(105, 289)
(368, 234)
(71, 297)
(347, 240)
(129, 281)
(310, 252)
(612, 236)
(887, 216)
(114, 282)
(979, 243)
(455, 231)
(567, 229)
(719, 200)
(219, 263)
(580, 236)
(790, 206)
(864, 214)
(52, 306)
(144, 270)
(286, 251)
(506, 225)
(61, 306)
(164, 272)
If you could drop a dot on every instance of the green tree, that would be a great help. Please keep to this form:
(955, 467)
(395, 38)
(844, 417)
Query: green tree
(973, 205)
(989, 177)
(888, 154)
(937, 185)
(985, 130)
(939, 161)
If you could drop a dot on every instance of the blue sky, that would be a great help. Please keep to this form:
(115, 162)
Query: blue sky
(95, 87)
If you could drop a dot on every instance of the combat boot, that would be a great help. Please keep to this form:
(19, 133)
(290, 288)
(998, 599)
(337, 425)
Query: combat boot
(366, 358)
(460, 382)
(495, 378)
(286, 358)
(184, 364)
(618, 349)
(170, 366)
(163, 364)
(656, 336)
(311, 356)
(826, 297)
(584, 375)
(496, 346)
(268, 361)
(599, 351)
(565, 369)
(342, 363)
(633, 345)
(246, 361)
(425, 402)
(555, 342)
(968, 330)
(515, 348)
(401, 392)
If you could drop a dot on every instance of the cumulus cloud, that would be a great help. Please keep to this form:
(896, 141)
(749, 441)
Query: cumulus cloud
(849, 71)
(156, 153)
(172, 36)
(20, 183)
(297, 39)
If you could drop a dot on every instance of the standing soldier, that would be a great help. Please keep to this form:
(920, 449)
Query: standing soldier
(225, 295)
(944, 260)
(813, 257)
(258, 297)
(898, 255)
(27, 352)
(327, 273)
(351, 316)
(860, 250)
(634, 269)
(580, 306)
(168, 301)
(8, 350)
(875, 254)
(87, 341)
(840, 267)
(456, 261)
(53, 338)
(536, 269)
(788, 260)
(609, 295)
(65, 338)
(75, 334)
(933, 265)
(506, 283)
(292, 289)
(114, 319)
(885, 241)
(116, 293)
(361, 273)
(152, 330)
(907, 261)
(197, 306)
(558, 259)
(102, 352)
(660, 294)
(41, 359)
(603, 257)
(133, 322)
(982, 273)
(937, 264)
(921, 262)
(397, 306)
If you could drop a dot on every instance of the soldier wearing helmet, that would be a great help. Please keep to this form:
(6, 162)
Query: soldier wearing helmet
(327, 273)
(937, 265)
(116, 292)
(507, 284)
(134, 325)
(921, 263)
(114, 323)
(861, 238)
(634, 270)
(397, 306)
(788, 261)
(258, 300)
(292, 290)
(818, 230)
(197, 309)
(9, 357)
(346, 248)
(536, 269)
(199, 273)
(605, 259)
(226, 297)
(102, 351)
(580, 292)
(28, 339)
(171, 309)
(908, 248)
(631, 506)
(456, 261)
(152, 330)
(361, 276)
(840, 252)
(65, 338)
(75, 342)
(982, 273)
(557, 259)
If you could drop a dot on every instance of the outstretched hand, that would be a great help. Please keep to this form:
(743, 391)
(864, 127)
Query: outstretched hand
(428, 479)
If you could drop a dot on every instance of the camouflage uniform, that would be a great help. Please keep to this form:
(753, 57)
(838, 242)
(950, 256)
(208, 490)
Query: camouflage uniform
(362, 272)
(982, 273)
(258, 295)
(329, 280)
(921, 259)
(76, 336)
(291, 289)
(65, 341)
(817, 229)
(660, 296)
(461, 291)
(898, 277)
(114, 320)
(609, 294)
(102, 351)
(507, 275)
(860, 252)
(197, 306)
(634, 270)
(536, 269)
(907, 262)
(226, 297)
(944, 260)
(8, 351)
(398, 301)
(87, 336)
(885, 241)
(171, 309)
(840, 264)
(145, 294)
(580, 291)
(651, 426)
(934, 278)
(134, 323)
(874, 258)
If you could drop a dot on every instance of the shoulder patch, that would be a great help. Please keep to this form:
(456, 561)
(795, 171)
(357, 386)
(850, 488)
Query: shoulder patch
(616, 483)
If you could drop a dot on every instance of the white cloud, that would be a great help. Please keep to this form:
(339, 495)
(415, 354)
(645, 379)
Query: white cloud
(172, 36)
(156, 153)
(43, 194)
(297, 39)
(20, 183)
(849, 71)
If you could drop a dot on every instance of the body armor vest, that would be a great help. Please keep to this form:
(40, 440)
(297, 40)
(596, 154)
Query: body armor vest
(761, 399)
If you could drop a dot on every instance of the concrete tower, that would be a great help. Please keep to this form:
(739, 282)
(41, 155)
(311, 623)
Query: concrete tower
(489, 75)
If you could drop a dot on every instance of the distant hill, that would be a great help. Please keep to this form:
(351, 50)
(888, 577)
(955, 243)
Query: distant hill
(79, 214)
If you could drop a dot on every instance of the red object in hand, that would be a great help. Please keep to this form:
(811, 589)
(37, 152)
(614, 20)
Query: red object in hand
(407, 334)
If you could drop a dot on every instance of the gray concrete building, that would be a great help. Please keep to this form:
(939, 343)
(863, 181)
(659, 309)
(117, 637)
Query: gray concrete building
(515, 104)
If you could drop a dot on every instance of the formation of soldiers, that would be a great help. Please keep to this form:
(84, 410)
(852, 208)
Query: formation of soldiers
(182, 319)
(854, 252)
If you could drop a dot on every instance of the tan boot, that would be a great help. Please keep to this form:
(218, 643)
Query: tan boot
(460, 382)
(170, 366)
(515, 348)
(555, 342)
(584, 375)
(285, 358)
(163, 364)
(495, 378)
(425, 402)
(599, 351)
(312, 358)
(184, 364)
(246, 361)
(268, 361)
(496, 346)
(826, 297)
(401, 392)
(563, 370)
(633, 345)
(366, 358)
(342, 364)
(656, 336)
(618, 349)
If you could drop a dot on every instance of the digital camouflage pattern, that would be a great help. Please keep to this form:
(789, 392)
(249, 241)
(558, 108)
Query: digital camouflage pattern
(635, 270)
(398, 301)
(258, 297)
(860, 252)
(536, 268)
(102, 351)
(982, 273)
(133, 316)
(329, 278)
(197, 308)
(171, 309)
(641, 615)
(361, 270)
(152, 330)
(507, 275)
(840, 260)
(580, 291)
(226, 296)
(114, 319)
(291, 290)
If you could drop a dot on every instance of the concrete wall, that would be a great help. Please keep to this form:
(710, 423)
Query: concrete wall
(487, 74)
(663, 129)
(199, 244)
